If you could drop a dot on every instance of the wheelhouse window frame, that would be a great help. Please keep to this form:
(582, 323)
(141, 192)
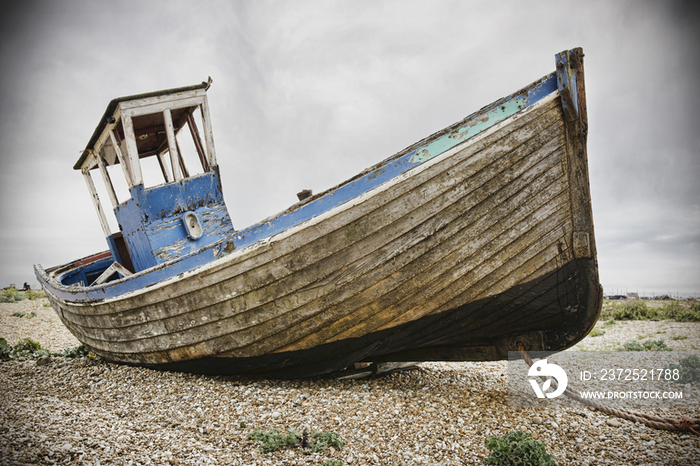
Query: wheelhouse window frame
(118, 140)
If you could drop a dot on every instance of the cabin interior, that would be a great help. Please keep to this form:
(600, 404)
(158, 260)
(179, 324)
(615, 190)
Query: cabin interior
(179, 207)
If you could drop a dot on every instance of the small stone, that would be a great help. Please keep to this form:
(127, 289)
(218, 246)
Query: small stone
(579, 440)
(645, 437)
(536, 420)
(613, 423)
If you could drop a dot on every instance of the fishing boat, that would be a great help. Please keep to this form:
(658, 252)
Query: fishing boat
(473, 242)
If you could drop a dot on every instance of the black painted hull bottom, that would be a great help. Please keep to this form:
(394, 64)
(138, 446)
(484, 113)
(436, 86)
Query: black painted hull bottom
(550, 313)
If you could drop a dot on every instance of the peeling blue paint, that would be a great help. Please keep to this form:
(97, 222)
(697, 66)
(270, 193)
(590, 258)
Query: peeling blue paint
(472, 127)
(86, 274)
(169, 239)
(546, 86)
(566, 83)
(150, 219)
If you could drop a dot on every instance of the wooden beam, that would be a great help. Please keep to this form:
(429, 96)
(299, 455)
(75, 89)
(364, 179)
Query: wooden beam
(172, 100)
(573, 96)
(135, 108)
(161, 161)
(197, 142)
(107, 180)
(208, 133)
(96, 202)
(122, 160)
(115, 267)
(106, 135)
(132, 150)
(90, 163)
(172, 144)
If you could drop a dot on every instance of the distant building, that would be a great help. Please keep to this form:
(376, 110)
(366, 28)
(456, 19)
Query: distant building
(663, 298)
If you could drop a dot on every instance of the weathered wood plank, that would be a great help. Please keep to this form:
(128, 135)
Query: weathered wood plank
(107, 180)
(153, 105)
(196, 138)
(576, 135)
(208, 133)
(123, 161)
(134, 167)
(172, 145)
(96, 203)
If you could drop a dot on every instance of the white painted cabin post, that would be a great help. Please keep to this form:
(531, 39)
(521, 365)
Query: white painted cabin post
(172, 144)
(132, 150)
(122, 160)
(166, 174)
(208, 132)
(107, 180)
(96, 202)
(197, 142)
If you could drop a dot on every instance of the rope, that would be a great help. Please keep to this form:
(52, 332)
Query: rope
(683, 424)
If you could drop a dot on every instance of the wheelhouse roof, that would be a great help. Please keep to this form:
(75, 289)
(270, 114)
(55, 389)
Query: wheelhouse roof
(113, 105)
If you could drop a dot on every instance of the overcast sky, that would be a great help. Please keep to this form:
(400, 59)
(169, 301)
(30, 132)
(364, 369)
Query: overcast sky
(308, 93)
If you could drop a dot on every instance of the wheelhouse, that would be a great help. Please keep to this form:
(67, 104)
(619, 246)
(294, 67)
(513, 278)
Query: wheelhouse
(178, 209)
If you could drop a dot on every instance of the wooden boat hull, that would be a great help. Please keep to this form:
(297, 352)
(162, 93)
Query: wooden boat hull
(468, 254)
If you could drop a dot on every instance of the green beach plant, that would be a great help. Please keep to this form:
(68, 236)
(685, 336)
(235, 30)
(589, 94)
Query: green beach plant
(638, 309)
(635, 310)
(517, 448)
(649, 345)
(32, 295)
(273, 440)
(11, 295)
(5, 350)
(29, 348)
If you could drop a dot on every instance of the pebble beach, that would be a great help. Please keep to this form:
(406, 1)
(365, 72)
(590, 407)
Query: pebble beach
(89, 411)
